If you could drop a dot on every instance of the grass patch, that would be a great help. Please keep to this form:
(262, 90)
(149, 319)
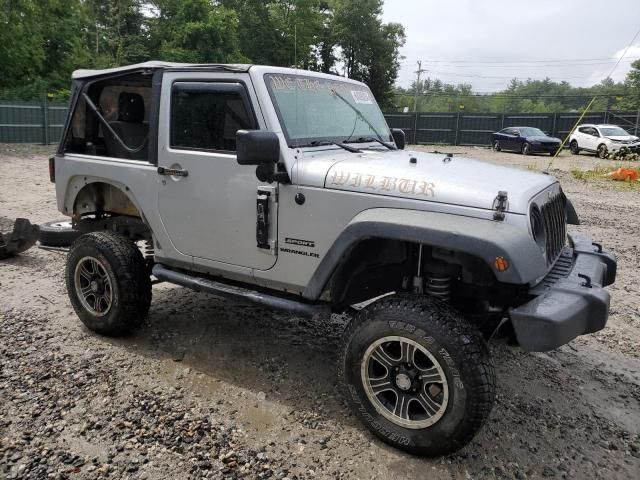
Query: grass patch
(599, 174)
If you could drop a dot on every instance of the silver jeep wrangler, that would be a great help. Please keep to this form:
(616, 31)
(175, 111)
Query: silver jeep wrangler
(287, 188)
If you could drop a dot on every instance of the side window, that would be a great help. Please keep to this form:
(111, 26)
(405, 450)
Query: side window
(206, 116)
(114, 121)
(584, 130)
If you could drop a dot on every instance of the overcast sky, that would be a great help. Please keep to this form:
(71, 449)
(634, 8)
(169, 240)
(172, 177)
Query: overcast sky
(534, 38)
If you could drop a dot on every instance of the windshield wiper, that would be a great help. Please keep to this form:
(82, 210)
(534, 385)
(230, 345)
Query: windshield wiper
(362, 117)
(322, 143)
(373, 139)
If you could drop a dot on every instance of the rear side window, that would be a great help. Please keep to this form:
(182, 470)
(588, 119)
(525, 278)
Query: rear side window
(207, 116)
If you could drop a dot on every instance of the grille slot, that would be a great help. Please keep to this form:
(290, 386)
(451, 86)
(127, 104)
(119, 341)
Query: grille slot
(554, 217)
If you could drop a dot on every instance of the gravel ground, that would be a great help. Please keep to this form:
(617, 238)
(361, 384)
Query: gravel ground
(193, 395)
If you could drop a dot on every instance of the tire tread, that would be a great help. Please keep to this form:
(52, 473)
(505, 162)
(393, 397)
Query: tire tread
(470, 344)
(132, 277)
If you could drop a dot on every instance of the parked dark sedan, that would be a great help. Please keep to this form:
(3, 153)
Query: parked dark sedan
(525, 140)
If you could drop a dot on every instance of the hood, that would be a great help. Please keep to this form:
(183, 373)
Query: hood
(542, 138)
(426, 176)
(622, 138)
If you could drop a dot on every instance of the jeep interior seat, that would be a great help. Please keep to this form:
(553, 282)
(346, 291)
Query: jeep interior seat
(130, 127)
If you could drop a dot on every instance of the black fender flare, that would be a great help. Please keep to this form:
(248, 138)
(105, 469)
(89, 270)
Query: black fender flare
(483, 238)
(572, 215)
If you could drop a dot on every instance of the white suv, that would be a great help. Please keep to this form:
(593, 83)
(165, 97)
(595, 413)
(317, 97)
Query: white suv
(601, 139)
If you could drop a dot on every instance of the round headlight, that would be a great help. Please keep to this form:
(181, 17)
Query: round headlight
(537, 227)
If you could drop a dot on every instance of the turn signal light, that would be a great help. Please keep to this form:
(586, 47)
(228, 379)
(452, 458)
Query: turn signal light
(501, 264)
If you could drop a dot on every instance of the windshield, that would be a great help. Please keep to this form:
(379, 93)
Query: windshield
(317, 110)
(612, 132)
(532, 132)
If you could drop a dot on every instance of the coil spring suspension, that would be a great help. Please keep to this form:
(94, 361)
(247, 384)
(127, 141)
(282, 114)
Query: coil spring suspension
(438, 285)
(147, 250)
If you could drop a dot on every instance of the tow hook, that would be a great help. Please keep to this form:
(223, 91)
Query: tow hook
(587, 282)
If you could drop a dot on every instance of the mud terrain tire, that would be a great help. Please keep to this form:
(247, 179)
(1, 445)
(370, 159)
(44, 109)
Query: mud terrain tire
(438, 333)
(108, 283)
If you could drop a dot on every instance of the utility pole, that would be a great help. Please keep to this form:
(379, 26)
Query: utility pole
(419, 72)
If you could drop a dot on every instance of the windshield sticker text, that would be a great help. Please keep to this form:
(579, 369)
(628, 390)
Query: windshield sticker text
(362, 97)
(383, 183)
(286, 83)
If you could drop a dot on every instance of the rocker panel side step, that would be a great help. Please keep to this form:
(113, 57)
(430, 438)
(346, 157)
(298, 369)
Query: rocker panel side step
(201, 284)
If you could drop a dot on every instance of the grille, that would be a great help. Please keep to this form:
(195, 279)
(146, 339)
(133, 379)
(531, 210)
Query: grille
(554, 217)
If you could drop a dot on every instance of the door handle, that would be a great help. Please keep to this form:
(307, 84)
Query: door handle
(172, 172)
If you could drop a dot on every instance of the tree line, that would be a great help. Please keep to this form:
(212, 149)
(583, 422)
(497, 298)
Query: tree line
(43, 41)
(528, 96)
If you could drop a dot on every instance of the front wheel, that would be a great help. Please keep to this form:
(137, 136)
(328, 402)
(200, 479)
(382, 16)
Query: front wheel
(417, 374)
(573, 146)
(108, 283)
(602, 151)
(526, 148)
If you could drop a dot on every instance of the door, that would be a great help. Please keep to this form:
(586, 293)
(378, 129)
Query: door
(589, 140)
(510, 139)
(207, 202)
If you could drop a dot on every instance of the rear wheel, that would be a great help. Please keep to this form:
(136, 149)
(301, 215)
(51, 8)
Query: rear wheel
(602, 151)
(108, 283)
(526, 148)
(496, 145)
(417, 374)
(573, 146)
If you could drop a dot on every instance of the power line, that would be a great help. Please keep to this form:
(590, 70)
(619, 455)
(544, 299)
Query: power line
(507, 95)
(519, 62)
(532, 65)
(508, 77)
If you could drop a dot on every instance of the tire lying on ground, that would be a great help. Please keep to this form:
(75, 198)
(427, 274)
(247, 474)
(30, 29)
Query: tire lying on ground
(59, 233)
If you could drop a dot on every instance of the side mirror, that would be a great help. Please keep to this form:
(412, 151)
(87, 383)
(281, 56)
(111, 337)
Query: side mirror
(399, 138)
(257, 147)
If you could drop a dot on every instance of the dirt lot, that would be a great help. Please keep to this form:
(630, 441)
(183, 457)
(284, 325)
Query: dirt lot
(209, 388)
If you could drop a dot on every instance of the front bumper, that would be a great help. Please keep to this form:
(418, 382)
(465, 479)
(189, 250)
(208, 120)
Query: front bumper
(632, 147)
(544, 148)
(570, 300)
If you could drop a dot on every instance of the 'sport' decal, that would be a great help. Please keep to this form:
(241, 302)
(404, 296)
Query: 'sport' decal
(300, 243)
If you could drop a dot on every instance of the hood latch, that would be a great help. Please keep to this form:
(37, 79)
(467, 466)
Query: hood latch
(500, 205)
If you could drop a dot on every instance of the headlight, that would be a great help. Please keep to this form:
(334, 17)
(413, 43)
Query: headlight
(537, 227)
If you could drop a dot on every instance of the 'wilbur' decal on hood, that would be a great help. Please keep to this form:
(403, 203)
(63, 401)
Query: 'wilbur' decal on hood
(380, 183)
(433, 177)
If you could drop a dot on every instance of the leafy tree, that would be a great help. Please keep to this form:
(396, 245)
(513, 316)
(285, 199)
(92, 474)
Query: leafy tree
(195, 31)
(43, 41)
(369, 48)
(21, 52)
(64, 47)
(632, 87)
(115, 32)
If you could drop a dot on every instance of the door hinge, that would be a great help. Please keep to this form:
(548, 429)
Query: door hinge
(266, 196)
(500, 205)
